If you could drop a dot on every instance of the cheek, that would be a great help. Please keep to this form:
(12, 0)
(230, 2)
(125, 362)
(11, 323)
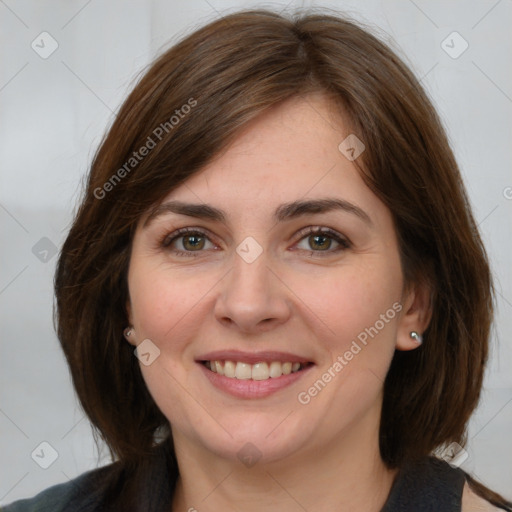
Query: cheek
(358, 311)
(166, 306)
(158, 301)
(163, 310)
(355, 310)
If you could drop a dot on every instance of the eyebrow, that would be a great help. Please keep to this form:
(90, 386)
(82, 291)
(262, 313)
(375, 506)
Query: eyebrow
(284, 212)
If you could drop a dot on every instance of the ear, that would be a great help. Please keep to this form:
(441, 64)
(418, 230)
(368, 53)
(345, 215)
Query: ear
(416, 315)
(131, 338)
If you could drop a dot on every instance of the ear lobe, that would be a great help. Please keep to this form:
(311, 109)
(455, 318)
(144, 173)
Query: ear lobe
(129, 334)
(415, 318)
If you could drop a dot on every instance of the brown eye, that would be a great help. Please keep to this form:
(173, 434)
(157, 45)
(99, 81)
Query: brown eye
(193, 242)
(320, 240)
(186, 242)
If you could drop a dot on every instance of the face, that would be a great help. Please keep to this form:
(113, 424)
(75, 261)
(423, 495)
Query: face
(256, 283)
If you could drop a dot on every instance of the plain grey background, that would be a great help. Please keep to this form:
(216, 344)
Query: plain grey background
(54, 109)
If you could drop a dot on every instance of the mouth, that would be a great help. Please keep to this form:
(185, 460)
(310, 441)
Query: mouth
(262, 370)
(250, 375)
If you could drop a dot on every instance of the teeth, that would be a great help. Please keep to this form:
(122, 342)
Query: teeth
(286, 368)
(275, 369)
(258, 371)
(229, 368)
(242, 370)
(218, 368)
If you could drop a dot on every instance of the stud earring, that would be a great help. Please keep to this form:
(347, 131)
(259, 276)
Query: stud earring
(128, 332)
(416, 337)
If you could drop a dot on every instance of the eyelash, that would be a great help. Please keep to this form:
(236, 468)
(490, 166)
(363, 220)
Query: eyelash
(168, 239)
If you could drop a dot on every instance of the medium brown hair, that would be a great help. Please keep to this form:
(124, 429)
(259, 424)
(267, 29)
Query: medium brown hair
(231, 70)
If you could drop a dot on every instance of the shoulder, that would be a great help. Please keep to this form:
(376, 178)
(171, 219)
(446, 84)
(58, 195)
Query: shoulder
(430, 484)
(471, 502)
(81, 494)
(135, 485)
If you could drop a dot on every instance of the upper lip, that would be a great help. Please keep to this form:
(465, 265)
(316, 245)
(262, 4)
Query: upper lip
(252, 357)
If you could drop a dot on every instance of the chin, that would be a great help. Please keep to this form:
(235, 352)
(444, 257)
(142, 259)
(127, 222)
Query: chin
(255, 438)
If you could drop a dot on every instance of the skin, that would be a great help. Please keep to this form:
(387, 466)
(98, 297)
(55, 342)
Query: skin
(321, 456)
(471, 502)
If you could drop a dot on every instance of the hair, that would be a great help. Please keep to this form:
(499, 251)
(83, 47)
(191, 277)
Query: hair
(201, 92)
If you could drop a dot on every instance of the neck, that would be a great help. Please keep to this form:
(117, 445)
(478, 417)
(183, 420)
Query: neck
(346, 475)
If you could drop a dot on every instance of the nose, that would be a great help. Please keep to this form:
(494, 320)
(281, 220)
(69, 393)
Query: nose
(253, 297)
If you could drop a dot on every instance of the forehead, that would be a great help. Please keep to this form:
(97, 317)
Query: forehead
(288, 152)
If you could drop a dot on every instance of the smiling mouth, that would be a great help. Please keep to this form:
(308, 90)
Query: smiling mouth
(259, 371)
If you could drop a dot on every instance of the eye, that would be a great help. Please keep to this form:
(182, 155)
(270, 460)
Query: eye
(320, 240)
(191, 240)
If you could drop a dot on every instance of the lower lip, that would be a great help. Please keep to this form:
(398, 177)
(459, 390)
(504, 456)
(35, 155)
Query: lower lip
(248, 388)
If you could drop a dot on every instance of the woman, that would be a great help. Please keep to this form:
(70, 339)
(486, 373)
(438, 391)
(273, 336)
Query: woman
(274, 295)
